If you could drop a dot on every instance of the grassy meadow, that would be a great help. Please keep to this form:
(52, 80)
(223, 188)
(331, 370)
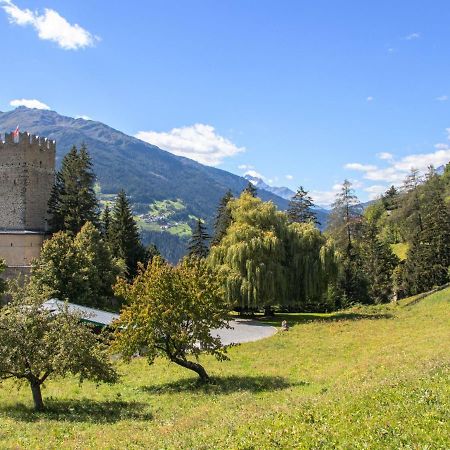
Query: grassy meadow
(375, 377)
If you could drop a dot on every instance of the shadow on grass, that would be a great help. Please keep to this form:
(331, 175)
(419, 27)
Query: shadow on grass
(224, 385)
(295, 318)
(79, 411)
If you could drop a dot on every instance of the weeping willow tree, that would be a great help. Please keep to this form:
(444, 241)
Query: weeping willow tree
(266, 261)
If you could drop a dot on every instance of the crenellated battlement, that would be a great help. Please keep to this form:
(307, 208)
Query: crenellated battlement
(28, 141)
(27, 174)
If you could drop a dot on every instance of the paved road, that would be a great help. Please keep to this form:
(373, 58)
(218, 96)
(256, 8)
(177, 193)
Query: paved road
(244, 330)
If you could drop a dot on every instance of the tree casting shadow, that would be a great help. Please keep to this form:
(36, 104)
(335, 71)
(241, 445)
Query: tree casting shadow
(224, 385)
(79, 411)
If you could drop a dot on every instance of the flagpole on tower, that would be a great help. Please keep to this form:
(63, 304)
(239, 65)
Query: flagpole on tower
(16, 134)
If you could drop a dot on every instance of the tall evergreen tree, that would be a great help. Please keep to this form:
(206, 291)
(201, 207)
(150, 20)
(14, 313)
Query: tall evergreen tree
(390, 199)
(223, 218)
(251, 189)
(345, 218)
(124, 235)
(198, 244)
(345, 227)
(378, 264)
(73, 201)
(412, 205)
(300, 208)
(428, 259)
(105, 221)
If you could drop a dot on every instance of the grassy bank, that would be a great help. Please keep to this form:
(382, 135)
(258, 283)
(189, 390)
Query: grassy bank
(366, 378)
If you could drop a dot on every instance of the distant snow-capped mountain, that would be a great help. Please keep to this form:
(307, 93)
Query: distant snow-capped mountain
(283, 192)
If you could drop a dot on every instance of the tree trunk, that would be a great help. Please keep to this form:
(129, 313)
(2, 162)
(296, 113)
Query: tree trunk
(37, 395)
(201, 372)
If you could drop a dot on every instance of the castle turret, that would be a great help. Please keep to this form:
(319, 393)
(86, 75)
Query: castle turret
(27, 173)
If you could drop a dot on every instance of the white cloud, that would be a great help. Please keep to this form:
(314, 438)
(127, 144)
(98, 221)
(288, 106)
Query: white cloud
(385, 156)
(442, 98)
(50, 26)
(360, 167)
(396, 170)
(29, 103)
(412, 36)
(375, 191)
(369, 98)
(289, 177)
(199, 142)
(245, 167)
(325, 198)
(83, 117)
(255, 174)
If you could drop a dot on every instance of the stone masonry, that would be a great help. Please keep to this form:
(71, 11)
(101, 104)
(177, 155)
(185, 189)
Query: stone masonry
(27, 173)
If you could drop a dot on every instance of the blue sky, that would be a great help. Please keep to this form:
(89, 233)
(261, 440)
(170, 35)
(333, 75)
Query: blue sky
(300, 92)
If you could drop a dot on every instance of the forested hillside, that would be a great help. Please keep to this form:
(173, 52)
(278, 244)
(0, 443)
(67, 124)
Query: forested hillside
(147, 173)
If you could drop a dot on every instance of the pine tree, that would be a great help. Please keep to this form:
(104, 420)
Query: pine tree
(73, 201)
(412, 205)
(251, 189)
(223, 218)
(379, 263)
(345, 227)
(105, 221)
(124, 235)
(345, 218)
(300, 208)
(198, 244)
(428, 259)
(390, 199)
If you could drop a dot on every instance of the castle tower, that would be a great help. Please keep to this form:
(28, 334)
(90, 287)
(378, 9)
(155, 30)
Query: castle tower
(27, 173)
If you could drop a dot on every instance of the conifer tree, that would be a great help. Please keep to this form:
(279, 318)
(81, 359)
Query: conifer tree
(428, 259)
(412, 205)
(105, 221)
(73, 201)
(251, 189)
(345, 227)
(390, 199)
(223, 218)
(345, 218)
(300, 208)
(124, 235)
(379, 263)
(198, 244)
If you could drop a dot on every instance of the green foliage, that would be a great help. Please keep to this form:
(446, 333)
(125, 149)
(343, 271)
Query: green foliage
(428, 261)
(345, 227)
(344, 222)
(374, 377)
(300, 208)
(36, 344)
(265, 261)
(73, 201)
(251, 189)
(124, 235)
(198, 244)
(2, 281)
(379, 263)
(79, 269)
(170, 311)
(223, 218)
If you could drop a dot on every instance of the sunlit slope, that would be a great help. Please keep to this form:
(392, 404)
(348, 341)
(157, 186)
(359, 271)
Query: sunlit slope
(367, 378)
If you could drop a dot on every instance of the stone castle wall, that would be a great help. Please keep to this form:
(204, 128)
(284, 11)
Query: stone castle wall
(27, 170)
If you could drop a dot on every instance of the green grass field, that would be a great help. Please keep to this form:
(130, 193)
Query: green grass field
(374, 378)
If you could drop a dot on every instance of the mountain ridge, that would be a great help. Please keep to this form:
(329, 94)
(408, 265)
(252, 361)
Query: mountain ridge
(147, 173)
